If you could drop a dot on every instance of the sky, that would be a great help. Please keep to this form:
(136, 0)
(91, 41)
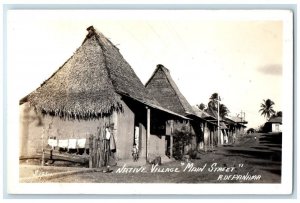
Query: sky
(238, 54)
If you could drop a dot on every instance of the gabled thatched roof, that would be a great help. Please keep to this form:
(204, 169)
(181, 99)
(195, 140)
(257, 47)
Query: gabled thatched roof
(90, 83)
(165, 91)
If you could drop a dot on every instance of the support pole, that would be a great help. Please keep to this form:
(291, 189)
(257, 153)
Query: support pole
(148, 134)
(43, 151)
(212, 137)
(171, 139)
(91, 151)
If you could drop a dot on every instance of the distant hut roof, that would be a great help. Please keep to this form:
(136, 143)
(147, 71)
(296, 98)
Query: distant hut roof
(165, 91)
(239, 120)
(90, 82)
(229, 121)
(212, 113)
(202, 114)
(275, 119)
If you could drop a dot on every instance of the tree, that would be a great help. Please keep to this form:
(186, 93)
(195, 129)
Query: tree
(267, 108)
(201, 106)
(213, 105)
(224, 111)
(279, 114)
(213, 101)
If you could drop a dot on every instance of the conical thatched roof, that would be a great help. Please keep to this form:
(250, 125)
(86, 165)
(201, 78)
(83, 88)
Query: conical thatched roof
(90, 83)
(165, 91)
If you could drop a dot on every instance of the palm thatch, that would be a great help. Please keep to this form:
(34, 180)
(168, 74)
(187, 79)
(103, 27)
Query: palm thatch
(212, 113)
(90, 83)
(238, 120)
(205, 116)
(275, 119)
(165, 91)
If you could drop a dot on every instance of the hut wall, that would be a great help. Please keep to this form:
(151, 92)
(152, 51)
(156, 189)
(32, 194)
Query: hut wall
(143, 138)
(197, 135)
(206, 136)
(125, 133)
(215, 136)
(276, 127)
(68, 129)
(31, 133)
(157, 145)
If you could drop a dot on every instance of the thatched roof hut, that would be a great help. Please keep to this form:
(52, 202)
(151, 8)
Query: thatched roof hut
(165, 91)
(90, 83)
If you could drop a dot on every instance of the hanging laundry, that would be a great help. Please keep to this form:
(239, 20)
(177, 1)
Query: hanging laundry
(112, 142)
(63, 143)
(52, 142)
(81, 143)
(72, 144)
(107, 134)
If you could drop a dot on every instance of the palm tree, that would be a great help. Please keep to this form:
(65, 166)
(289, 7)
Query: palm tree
(267, 108)
(201, 106)
(279, 113)
(224, 111)
(213, 103)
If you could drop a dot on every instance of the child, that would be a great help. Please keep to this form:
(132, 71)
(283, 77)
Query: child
(135, 153)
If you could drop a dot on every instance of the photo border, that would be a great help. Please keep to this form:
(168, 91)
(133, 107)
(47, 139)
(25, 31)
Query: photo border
(7, 7)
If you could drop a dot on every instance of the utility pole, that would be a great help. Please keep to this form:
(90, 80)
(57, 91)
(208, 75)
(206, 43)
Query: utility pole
(243, 115)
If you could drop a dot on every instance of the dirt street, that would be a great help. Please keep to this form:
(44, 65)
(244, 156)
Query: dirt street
(254, 158)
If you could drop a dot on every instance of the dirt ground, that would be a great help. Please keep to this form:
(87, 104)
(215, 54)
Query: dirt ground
(254, 158)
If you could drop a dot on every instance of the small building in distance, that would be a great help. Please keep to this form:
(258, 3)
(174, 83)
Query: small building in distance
(274, 124)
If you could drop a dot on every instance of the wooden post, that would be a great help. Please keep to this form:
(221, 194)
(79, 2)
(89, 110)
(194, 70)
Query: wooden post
(43, 151)
(212, 137)
(94, 152)
(148, 133)
(91, 151)
(140, 139)
(171, 138)
(216, 135)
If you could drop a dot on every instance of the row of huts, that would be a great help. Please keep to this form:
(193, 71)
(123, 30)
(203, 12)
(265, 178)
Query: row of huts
(95, 90)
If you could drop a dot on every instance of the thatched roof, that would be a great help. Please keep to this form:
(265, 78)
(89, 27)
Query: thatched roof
(238, 120)
(165, 91)
(212, 113)
(203, 115)
(229, 121)
(276, 119)
(90, 83)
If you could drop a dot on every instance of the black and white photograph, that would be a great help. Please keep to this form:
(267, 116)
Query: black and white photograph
(140, 98)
